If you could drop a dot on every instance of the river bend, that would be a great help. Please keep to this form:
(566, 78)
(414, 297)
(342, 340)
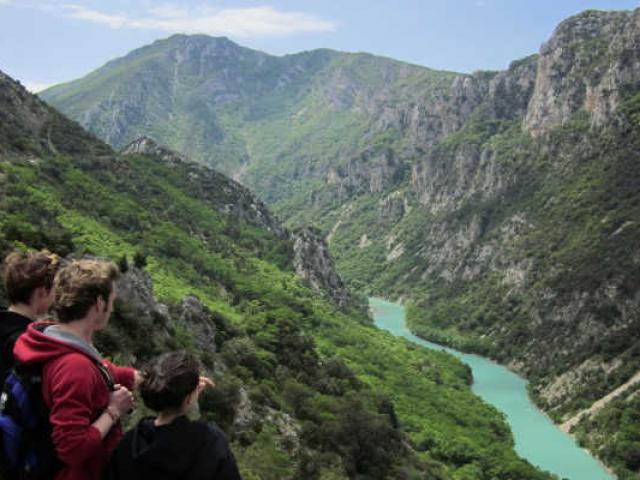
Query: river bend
(537, 438)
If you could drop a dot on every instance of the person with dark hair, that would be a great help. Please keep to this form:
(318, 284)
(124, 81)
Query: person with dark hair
(85, 394)
(170, 445)
(28, 278)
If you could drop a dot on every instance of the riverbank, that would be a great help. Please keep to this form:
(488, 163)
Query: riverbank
(471, 348)
(536, 437)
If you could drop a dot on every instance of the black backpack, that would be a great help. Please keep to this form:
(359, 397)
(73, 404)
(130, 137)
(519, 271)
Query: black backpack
(26, 446)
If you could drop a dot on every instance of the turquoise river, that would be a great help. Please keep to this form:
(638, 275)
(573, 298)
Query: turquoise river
(536, 437)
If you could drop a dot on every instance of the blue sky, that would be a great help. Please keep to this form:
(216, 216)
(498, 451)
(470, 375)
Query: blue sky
(43, 42)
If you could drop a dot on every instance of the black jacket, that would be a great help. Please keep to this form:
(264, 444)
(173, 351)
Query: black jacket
(12, 325)
(183, 449)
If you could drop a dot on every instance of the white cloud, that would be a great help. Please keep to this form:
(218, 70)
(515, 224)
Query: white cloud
(239, 22)
(168, 10)
(82, 13)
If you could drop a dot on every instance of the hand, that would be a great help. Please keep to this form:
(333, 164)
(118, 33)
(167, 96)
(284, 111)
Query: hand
(121, 399)
(137, 379)
(204, 383)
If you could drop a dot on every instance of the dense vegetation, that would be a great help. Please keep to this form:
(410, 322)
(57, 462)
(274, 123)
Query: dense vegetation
(613, 432)
(290, 354)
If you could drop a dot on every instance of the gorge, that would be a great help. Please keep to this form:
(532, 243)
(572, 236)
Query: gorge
(306, 387)
(502, 207)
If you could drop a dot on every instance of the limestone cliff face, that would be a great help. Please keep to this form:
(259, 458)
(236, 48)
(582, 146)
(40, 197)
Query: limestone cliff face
(314, 264)
(504, 203)
(589, 62)
(420, 125)
(370, 171)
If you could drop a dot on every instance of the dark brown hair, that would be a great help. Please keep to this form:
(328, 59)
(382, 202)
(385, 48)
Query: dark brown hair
(168, 379)
(26, 271)
(77, 287)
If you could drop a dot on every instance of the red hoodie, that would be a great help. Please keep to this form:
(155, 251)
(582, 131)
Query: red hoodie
(77, 394)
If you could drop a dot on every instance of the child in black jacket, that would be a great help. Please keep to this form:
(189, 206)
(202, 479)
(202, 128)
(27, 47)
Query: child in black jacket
(170, 446)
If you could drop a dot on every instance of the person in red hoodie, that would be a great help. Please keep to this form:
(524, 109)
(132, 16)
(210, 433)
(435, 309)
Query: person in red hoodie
(83, 411)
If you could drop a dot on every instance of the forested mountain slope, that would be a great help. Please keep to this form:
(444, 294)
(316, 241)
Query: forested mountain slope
(305, 388)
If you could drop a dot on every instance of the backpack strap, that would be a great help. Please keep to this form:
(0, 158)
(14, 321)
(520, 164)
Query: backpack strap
(106, 374)
(11, 338)
(6, 354)
(104, 371)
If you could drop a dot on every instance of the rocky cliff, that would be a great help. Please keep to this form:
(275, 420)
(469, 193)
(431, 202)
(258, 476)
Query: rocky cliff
(590, 63)
(313, 263)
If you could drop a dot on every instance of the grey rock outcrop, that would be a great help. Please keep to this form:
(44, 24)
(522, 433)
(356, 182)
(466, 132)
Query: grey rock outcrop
(146, 146)
(197, 319)
(314, 264)
(371, 172)
(588, 63)
(135, 289)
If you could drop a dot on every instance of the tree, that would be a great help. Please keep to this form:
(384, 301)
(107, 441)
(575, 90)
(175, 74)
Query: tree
(139, 260)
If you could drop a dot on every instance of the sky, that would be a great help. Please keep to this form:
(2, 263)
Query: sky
(44, 42)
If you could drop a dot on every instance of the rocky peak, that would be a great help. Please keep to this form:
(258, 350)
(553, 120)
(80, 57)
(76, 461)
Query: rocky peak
(147, 146)
(220, 45)
(589, 62)
(313, 262)
(203, 55)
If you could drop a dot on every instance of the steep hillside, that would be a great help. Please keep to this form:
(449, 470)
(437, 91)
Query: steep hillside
(304, 389)
(28, 125)
(501, 206)
(281, 125)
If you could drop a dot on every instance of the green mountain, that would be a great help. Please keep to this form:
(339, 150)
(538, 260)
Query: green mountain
(306, 387)
(502, 207)
(276, 123)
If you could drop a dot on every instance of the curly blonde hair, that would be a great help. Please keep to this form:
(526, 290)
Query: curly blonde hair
(23, 272)
(77, 286)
